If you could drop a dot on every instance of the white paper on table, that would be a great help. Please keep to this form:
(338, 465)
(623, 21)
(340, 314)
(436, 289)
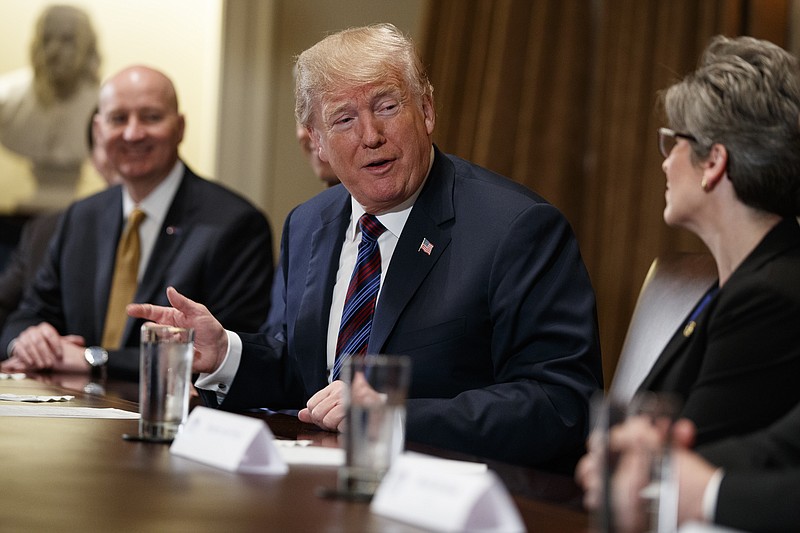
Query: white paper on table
(445, 465)
(697, 527)
(15, 376)
(299, 452)
(443, 495)
(34, 398)
(52, 411)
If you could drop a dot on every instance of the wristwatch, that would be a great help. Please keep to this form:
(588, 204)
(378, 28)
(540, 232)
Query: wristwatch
(97, 357)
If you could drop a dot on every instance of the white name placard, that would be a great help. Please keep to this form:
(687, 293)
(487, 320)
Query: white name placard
(445, 498)
(232, 442)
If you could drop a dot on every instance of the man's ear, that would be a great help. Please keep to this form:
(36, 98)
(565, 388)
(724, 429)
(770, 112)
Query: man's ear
(317, 144)
(429, 112)
(181, 127)
(97, 128)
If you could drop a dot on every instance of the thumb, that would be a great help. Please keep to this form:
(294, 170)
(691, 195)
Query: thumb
(683, 433)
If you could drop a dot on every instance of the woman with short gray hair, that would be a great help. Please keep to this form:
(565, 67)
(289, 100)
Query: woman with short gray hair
(732, 163)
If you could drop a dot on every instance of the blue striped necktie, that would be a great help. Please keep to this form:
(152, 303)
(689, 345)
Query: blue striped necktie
(362, 293)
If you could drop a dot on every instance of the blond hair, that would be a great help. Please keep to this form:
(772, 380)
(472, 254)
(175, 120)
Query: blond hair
(357, 56)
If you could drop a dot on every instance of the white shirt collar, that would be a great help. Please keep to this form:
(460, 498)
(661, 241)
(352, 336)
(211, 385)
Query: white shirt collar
(394, 220)
(156, 204)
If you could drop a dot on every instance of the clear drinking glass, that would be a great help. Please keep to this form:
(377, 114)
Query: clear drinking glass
(165, 368)
(655, 508)
(375, 424)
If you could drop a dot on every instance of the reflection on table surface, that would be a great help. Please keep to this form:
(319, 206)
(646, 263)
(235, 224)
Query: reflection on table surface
(75, 474)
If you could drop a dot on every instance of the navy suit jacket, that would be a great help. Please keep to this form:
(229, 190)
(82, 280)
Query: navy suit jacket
(214, 247)
(737, 372)
(499, 320)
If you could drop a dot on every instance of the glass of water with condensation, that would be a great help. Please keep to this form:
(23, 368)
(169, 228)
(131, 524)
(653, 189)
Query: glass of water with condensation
(375, 425)
(165, 367)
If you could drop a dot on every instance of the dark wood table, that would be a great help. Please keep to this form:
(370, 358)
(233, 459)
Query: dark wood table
(60, 474)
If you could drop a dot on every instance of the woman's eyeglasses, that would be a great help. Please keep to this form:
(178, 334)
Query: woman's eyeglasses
(667, 139)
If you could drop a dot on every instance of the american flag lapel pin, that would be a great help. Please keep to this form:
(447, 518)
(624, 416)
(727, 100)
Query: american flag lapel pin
(426, 246)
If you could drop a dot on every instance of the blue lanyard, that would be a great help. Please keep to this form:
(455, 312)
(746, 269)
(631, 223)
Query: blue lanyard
(691, 324)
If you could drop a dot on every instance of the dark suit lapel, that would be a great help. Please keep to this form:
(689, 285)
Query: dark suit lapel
(675, 348)
(314, 311)
(782, 237)
(109, 227)
(410, 264)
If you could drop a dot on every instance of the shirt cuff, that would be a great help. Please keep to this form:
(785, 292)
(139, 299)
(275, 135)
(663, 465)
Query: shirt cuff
(220, 380)
(710, 495)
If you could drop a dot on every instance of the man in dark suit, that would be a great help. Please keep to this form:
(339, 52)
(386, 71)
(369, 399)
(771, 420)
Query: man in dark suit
(481, 281)
(196, 236)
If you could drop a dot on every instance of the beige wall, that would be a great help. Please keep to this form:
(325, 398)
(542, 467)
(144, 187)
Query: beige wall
(231, 61)
(180, 37)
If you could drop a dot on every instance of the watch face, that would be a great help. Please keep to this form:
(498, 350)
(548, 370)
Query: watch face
(94, 388)
(96, 356)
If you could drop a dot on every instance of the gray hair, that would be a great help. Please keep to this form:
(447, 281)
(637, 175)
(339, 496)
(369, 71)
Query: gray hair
(745, 95)
(355, 57)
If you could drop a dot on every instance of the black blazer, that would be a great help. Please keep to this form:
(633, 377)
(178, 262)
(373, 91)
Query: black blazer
(761, 487)
(737, 372)
(760, 501)
(21, 269)
(214, 247)
(499, 320)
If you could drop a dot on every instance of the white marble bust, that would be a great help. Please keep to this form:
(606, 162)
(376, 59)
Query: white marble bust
(45, 109)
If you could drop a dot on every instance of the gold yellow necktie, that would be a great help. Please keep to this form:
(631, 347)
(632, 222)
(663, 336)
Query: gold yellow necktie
(123, 285)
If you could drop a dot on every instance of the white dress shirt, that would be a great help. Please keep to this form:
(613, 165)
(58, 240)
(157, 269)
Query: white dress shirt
(711, 495)
(155, 207)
